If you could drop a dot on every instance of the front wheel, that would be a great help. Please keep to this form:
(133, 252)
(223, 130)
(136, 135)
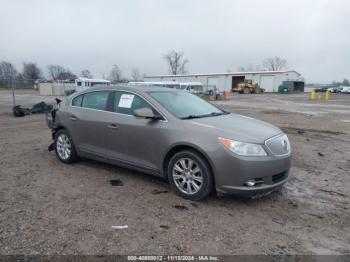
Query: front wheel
(64, 147)
(190, 175)
(246, 91)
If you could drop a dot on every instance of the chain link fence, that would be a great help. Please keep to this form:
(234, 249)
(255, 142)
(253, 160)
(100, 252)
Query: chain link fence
(18, 83)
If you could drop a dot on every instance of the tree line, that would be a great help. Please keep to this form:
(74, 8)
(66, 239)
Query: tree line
(345, 82)
(31, 73)
(176, 62)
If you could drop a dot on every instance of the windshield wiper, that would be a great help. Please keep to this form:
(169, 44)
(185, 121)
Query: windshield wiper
(205, 115)
(192, 116)
(216, 114)
(225, 112)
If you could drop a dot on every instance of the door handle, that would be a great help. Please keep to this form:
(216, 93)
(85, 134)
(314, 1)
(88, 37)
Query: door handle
(112, 126)
(73, 118)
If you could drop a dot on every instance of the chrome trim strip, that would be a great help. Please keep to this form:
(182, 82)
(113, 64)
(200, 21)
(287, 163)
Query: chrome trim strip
(111, 90)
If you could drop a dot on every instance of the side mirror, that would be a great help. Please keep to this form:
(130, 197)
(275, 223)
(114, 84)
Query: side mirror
(146, 113)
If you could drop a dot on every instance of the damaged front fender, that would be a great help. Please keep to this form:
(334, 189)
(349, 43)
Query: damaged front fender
(51, 115)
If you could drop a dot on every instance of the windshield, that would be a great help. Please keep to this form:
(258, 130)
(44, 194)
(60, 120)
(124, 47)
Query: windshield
(185, 105)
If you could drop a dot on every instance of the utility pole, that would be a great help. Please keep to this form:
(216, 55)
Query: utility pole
(13, 90)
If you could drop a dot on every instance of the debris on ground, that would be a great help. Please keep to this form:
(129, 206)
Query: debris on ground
(282, 247)
(41, 107)
(18, 111)
(311, 131)
(320, 154)
(194, 204)
(116, 182)
(315, 215)
(181, 207)
(301, 131)
(164, 226)
(2, 200)
(292, 203)
(281, 222)
(120, 227)
(156, 191)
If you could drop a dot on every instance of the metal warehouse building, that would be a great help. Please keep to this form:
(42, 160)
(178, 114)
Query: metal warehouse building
(269, 80)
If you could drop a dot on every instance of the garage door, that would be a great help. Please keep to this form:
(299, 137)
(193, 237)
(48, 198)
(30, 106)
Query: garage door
(266, 82)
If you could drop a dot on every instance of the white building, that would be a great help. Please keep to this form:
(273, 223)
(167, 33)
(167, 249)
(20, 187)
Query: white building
(269, 80)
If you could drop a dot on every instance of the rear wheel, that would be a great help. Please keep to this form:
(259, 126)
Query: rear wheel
(246, 91)
(64, 147)
(190, 175)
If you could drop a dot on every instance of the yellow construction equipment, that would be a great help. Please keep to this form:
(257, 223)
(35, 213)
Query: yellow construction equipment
(247, 87)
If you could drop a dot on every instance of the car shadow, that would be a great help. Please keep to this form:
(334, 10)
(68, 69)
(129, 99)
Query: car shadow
(214, 198)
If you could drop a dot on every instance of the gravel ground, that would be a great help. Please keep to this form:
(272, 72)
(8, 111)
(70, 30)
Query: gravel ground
(48, 208)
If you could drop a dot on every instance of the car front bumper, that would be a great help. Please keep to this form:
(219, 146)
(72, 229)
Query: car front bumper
(252, 191)
(232, 172)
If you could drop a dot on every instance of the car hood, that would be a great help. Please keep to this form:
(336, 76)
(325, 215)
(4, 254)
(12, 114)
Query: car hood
(236, 127)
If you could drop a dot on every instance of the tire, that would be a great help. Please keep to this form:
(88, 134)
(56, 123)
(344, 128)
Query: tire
(246, 91)
(64, 147)
(189, 175)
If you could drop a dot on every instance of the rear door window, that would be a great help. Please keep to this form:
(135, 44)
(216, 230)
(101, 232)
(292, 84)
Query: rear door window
(95, 100)
(126, 103)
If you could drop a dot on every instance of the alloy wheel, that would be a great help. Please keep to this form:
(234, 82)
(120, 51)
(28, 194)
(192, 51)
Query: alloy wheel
(187, 176)
(63, 146)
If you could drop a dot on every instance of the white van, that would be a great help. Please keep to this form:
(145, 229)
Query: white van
(345, 89)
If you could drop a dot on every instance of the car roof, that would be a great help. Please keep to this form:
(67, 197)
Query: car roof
(138, 88)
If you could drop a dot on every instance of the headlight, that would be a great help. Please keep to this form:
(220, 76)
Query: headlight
(243, 149)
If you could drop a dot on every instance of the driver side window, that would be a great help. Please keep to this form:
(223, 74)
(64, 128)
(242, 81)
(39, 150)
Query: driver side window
(126, 103)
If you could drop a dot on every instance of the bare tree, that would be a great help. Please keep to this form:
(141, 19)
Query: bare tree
(55, 71)
(336, 83)
(275, 63)
(176, 62)
(86, 73)
(7, 71)
(31, 72)
(66, 75)
(116, 75)
(8, 74)
(346, 82)
(135, 75)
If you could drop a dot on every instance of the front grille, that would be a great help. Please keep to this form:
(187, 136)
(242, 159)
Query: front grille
(279, 146)
(279, 177)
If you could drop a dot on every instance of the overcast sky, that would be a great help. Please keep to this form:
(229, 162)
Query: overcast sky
(215, 35)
